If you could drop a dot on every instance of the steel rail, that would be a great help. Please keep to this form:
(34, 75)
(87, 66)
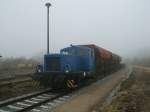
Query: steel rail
(31, 101)
(19, 98)
(42, 102)
(16, 77)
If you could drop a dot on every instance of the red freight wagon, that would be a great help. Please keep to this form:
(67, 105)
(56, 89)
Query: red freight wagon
(103, 53)
(103, 59)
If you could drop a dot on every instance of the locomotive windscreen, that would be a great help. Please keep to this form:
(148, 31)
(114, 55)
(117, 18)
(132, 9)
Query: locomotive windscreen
(53, 64)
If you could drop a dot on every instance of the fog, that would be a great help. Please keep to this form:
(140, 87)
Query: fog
(121, 26)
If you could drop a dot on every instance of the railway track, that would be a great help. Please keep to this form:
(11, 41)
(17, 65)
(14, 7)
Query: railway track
(34, 102)
(18, 86)
(15, 80)
(13, 75)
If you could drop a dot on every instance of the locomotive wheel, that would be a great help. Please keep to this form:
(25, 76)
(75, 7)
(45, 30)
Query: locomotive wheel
(58, 82)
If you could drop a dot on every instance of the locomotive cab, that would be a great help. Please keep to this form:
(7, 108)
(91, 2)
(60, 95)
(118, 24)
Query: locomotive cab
(78, 59)
(74, 59)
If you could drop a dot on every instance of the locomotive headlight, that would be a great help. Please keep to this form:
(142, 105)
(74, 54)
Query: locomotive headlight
(67, 71)
(39, 70)
(67, 68)
(84, 74)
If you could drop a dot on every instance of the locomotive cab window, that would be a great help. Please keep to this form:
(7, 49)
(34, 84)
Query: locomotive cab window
(92, 53)
(81, 52)
(68, 52)
(65, 52)
(76, 51)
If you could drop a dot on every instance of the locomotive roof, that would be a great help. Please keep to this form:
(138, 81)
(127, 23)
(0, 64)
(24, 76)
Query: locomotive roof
(76, 46)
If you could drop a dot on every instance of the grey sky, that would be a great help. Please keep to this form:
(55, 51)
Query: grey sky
(121, 26)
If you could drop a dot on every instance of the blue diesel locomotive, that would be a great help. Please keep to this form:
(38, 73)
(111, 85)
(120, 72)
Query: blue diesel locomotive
(74, 64)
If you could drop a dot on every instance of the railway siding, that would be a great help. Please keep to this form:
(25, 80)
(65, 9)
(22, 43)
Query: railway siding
(88, 97)
(15, 79)
(17, 85)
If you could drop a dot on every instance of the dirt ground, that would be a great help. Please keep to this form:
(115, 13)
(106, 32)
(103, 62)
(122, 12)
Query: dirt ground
(134, 95)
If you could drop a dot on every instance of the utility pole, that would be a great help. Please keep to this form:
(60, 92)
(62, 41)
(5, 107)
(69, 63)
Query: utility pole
(47, 5)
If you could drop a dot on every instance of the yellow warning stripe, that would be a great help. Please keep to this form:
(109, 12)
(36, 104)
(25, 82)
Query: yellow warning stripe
(71, 83)
(68, 85)
(35, 83)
